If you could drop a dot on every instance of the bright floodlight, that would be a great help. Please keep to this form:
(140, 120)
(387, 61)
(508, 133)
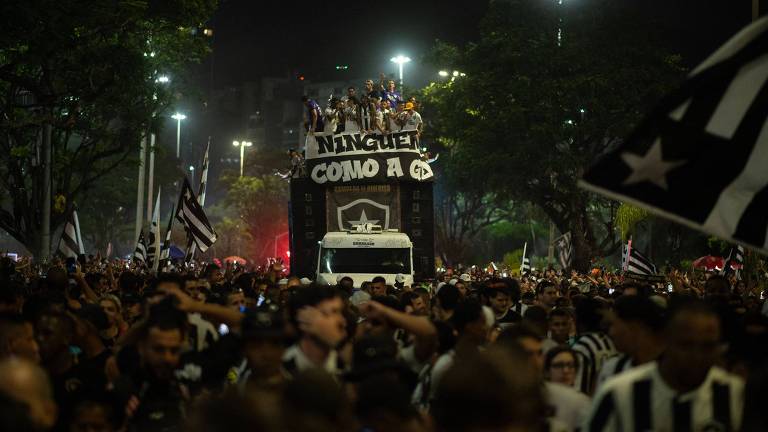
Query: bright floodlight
(443, 73)
(236, 143)
(455, 73)
(247, 143)
(191, 168)
(400, 59)
(178, 116)
(163, 79)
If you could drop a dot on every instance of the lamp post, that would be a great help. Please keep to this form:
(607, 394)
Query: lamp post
(178, 117)
(242, 145)
(192, 174)
(400, 60)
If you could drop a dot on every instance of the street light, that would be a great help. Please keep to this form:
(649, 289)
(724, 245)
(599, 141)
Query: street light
(163, 79)
(192, 174)
(443, 73)
(400, 60)
(242, 145)
(178, 117)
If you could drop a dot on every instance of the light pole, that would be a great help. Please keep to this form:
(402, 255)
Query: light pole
(178, 117)
(242, 145)
(400, 60)
(192, 174)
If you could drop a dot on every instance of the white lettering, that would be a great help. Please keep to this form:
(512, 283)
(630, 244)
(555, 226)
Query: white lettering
(370, 168)
(420, 170)
(334, 171)
(394, 169)
(317, 176)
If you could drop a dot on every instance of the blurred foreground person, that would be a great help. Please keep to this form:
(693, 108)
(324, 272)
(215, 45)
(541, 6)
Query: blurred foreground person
(26, 383)
(494, 390)
(683, 390)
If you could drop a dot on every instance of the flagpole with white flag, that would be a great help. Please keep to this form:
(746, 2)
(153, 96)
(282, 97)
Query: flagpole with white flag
(77, 231)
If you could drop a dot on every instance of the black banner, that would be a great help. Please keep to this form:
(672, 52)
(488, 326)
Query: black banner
(354, 157)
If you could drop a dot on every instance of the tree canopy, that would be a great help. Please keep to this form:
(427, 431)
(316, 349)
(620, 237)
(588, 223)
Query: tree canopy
(543, 93)
(91, 71)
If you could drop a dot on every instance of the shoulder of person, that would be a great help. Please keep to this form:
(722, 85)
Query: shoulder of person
(568, 394)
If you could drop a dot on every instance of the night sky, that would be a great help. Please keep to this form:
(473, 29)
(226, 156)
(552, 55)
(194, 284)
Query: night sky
(277, 38)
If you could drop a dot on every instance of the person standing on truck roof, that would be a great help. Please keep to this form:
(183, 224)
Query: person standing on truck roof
(390, 92)
(314, 121)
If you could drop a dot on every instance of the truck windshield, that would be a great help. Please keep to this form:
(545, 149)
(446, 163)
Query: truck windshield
(361, 260)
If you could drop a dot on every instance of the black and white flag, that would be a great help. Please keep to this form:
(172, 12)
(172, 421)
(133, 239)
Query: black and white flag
(153, 249)
(140, 253)
(525, 266)
(635, 262)
(701, 158)
(71, 243)
(165, 250)
(564, 250)
(735, 262)
(191, 247)
(191, 215)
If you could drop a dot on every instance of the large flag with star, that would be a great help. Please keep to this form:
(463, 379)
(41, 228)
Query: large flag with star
(701, 159)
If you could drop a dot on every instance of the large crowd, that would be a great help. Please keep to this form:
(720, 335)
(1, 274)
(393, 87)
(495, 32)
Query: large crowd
(102, 346)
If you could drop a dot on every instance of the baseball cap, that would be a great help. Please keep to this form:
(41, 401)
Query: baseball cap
(305, 281)
(465, 277)
(263, 324)
(282, 281)
(453, 281)
(400, 278)
(359, 297)
(409, 105)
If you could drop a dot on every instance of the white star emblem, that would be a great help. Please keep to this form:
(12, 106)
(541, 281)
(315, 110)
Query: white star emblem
(649, 168)
(363, 220)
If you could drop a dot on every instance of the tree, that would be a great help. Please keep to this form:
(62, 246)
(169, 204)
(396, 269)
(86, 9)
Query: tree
(261, 203)
(546, 90)
(88, 70)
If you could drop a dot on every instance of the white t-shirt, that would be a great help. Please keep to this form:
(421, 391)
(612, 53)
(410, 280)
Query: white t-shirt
(429, 379)
(331, 120)
(412, 121)
(571, 406)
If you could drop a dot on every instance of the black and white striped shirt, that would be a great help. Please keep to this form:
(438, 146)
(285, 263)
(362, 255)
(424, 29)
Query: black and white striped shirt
(640, 400)
(612, 367)
(593, 349)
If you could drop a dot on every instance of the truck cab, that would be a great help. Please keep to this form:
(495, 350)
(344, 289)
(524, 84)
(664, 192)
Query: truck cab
(363, 253)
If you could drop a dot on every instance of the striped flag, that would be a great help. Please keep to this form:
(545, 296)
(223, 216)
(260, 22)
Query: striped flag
(153, 250)
(635, 262)
(165, 250)
(191, 247)
(140, 253)
(701, 158)
(564, 250)
(71, 244)
(525, 266)
(735, 262)
(191, 215)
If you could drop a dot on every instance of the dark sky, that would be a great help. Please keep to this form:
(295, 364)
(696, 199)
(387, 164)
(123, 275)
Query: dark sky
(274, 38)
(313, 37)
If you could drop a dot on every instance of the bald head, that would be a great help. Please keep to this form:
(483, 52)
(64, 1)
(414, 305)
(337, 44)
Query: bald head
(26, 382)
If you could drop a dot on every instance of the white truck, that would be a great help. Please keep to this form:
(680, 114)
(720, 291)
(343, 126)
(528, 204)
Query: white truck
(363, 253)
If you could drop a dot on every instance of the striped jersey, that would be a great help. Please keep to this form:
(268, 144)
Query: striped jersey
(592, 349)
(612, 367)
(640, 400)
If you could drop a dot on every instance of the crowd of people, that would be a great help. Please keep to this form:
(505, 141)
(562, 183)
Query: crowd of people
(378, 108)
(102, 346)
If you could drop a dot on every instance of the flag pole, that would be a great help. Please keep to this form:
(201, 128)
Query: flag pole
(77, 232)
(522, 264)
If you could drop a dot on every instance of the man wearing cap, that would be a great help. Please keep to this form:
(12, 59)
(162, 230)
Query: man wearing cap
(411, 119)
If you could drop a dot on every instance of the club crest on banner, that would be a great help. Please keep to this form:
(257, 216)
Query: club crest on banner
(362, 211)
